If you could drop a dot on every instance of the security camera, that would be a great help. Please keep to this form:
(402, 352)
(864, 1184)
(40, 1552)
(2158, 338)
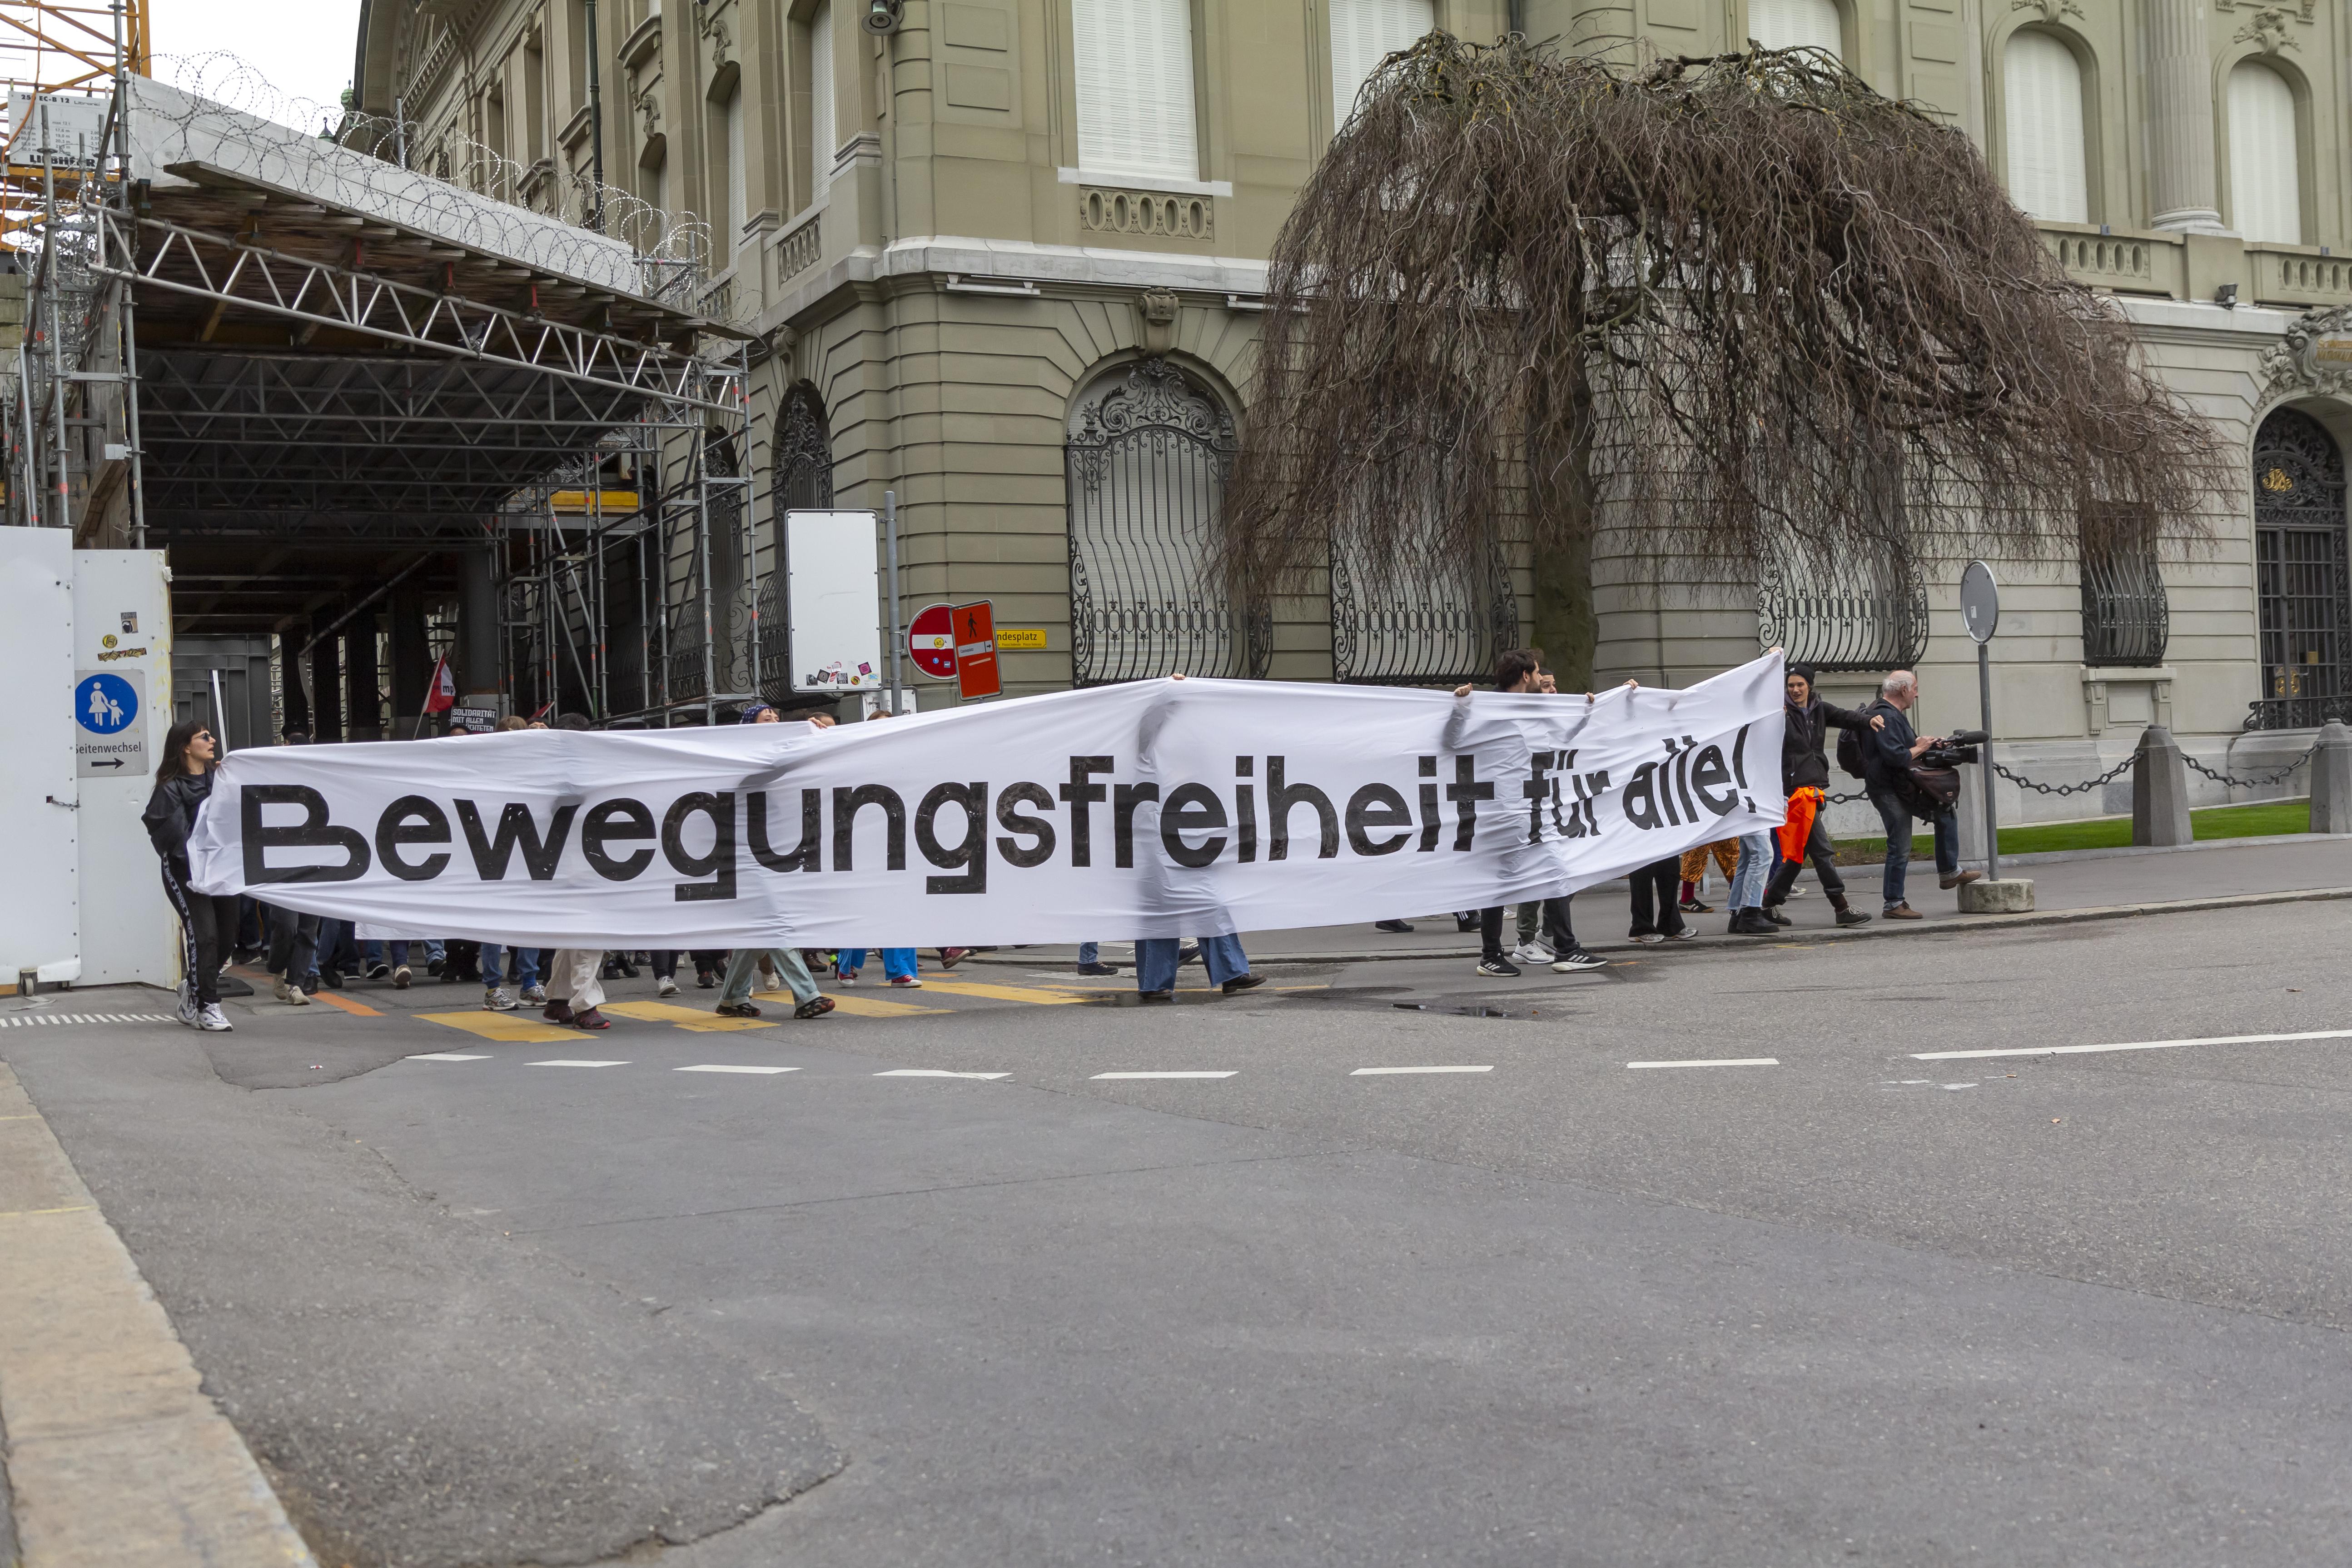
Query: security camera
(883, 16)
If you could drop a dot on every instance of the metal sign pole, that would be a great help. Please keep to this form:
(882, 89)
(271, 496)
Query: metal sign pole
(890, 537)
(1980, 614)
(1992, 825)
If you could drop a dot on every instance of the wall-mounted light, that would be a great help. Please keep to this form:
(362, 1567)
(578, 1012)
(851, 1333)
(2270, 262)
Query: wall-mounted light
(2226, 295)
(882, 17)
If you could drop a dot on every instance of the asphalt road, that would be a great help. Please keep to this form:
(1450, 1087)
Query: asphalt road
(1854, 1306)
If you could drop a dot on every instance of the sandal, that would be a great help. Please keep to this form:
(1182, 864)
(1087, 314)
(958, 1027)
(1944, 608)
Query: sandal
(814, 1007)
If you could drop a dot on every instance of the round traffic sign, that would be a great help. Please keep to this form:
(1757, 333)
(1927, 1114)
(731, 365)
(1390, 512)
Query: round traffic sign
(930, 642)
(1980, 602)
(105, 704)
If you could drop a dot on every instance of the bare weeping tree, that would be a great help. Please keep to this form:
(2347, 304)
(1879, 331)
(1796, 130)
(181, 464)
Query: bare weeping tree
(1731, 307)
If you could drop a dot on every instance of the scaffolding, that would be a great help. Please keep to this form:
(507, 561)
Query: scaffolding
(310, 373)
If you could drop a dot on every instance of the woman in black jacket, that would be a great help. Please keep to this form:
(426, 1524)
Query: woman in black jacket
(207, 921)
(1805, 764)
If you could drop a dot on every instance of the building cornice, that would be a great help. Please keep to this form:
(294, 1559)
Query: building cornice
(1010, 263)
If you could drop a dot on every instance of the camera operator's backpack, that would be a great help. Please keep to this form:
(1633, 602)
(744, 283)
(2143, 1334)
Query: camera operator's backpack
(1849, 753)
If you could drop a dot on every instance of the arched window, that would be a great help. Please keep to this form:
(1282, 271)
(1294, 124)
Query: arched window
(1796, 24)
(1363, 34)
(802, 465)
(2265, 165)
(2042, 83)
(1149, 454)
(2299, 572)
(1854, 607)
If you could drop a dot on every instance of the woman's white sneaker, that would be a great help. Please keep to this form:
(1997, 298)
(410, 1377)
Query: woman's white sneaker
(212, 1018)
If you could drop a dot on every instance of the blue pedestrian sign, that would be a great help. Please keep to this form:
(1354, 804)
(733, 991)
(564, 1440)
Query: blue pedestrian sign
(105, 704)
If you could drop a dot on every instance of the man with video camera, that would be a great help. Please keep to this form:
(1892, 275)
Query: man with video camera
(1901, 776)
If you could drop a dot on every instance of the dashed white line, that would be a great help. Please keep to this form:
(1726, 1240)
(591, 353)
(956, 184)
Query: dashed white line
(721, 1067)
(2132, 1046)
(560, 1062)
(446, 1056)
(1377, 1072)
(1715, 1062)
(937, 1072)
(1130, 1075)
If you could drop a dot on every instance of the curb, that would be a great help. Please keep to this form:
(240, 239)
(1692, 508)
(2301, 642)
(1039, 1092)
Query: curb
(1875, 929)
(116, 1455)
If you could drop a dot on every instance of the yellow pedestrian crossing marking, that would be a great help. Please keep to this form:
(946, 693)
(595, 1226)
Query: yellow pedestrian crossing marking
(858, 1007)
(501, 1026)
(693, 1019)
(1001, 993)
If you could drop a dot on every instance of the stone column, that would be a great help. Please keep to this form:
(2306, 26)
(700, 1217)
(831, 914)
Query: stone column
(2331, 781)
(2182, 186)
(2159, 790)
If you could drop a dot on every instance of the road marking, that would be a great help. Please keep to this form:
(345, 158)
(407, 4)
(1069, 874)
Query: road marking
(562, 1062)
(1369, 1072)
(1715, 1062)
(502, 1026)
(2132, 1046)
(26, 1020)
(28, 1214)
(861, 1006)
(1102, 1075)
(445, 1056)
(937, 1072)
(693, 1019)
(717, 1067)
(1001, 993)
(356, 1009)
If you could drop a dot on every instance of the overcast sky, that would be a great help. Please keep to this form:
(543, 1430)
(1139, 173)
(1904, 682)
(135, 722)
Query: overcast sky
(303, 46)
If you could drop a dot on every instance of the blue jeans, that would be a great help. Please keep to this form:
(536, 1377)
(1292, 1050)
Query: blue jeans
(896, 960)
(1155, 961)
(494, 966)
(1089, 953)
(744, 968)
(333, 950)
(1898, 818)
(1748, 878)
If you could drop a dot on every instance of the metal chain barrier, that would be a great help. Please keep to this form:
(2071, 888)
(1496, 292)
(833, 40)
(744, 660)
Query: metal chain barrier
(2112, 774)
(2270, 778)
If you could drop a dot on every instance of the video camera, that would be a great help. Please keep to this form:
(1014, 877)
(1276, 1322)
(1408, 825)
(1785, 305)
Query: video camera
(1954, 749)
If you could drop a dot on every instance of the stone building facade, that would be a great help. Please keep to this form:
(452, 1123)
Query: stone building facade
(1007, 260)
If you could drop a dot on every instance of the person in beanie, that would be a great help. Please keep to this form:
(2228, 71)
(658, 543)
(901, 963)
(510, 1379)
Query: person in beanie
(1805, 776)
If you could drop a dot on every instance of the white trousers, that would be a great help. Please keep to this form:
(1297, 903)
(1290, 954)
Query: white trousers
(572, 977)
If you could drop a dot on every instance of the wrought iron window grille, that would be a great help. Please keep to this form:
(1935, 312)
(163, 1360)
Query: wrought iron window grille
(2126, 620)
(1147, 469)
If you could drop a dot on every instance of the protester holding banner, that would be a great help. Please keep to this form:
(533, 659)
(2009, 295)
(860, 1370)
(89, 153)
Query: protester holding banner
(183, 781)
(1805, 776)
(1154, 810)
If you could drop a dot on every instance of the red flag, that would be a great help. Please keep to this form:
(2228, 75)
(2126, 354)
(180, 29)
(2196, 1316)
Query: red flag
(441, 694)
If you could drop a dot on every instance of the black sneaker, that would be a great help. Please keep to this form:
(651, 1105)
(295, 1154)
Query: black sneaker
(1465, 922)
(1852, 918)
(1697, 906)
(1402, 927)
(1499, 969)
(1776, 916)
(1243, 982)
(433, 966)
(1187, 954)
(1098, 969)
(379, 971)
(1576, 958)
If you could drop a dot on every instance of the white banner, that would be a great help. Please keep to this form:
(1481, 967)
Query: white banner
(1161, 808)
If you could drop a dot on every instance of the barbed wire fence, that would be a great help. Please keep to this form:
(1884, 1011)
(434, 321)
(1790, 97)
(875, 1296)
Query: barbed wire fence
(373, 155)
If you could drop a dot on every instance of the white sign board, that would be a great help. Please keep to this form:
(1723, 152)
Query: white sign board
(121, 708)
(40, 811)
(834, 602)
